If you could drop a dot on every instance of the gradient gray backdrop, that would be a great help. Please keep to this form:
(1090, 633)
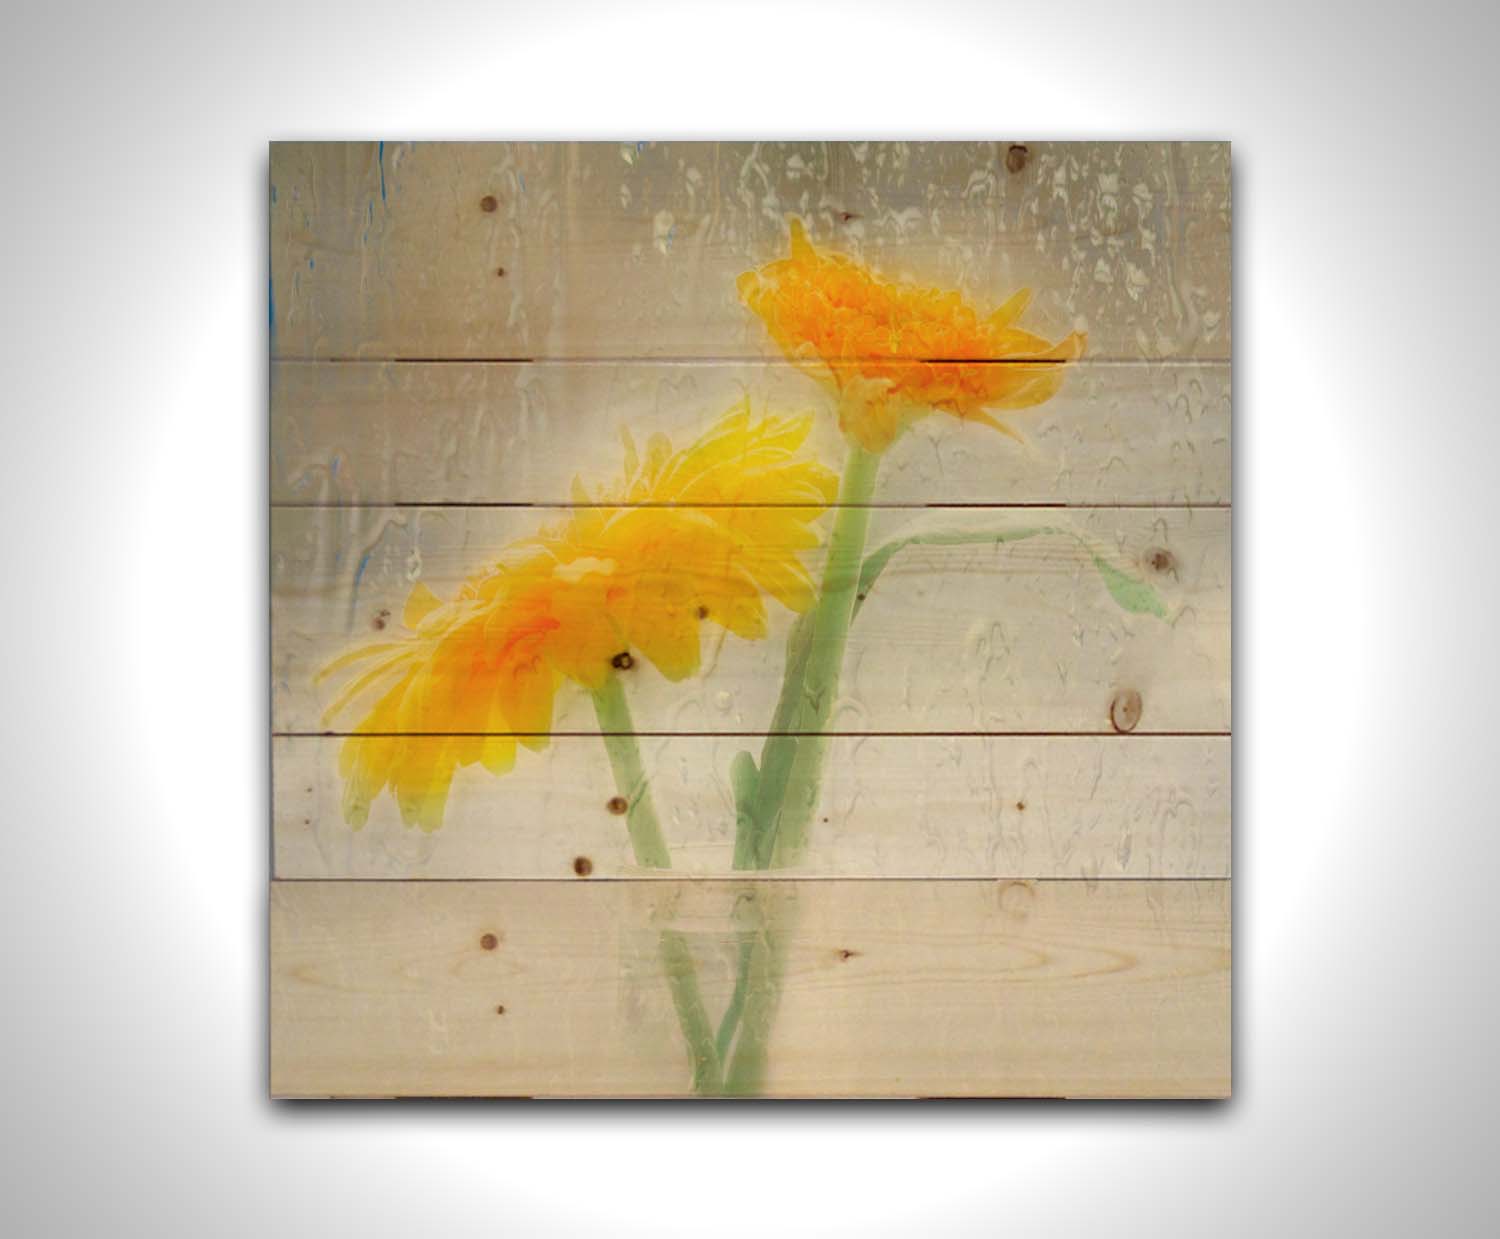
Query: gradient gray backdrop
(133, 218)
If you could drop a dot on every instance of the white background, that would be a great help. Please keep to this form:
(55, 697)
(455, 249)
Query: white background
(132, 293)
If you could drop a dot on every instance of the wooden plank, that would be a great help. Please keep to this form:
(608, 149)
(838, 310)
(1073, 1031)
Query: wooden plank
(1000, 894)
(891, 988)
(516, 250)
(408, 433)
(892, 806)
(1022, 637)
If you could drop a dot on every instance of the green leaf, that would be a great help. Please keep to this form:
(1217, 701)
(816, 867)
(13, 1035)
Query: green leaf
(798, 647)
(1135, 596)
(1132, 595)
(742, 778)
(875, 563)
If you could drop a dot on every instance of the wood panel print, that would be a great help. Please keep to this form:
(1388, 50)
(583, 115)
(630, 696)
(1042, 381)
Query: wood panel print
(562, 652)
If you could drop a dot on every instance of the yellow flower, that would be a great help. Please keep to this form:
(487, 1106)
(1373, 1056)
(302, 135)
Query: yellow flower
(641, 567)
(895, 352)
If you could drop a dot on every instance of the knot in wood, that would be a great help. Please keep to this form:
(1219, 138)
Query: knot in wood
(1125, 710)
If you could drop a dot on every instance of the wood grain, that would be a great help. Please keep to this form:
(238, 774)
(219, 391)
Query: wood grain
(892, 806)
(584, 250)
(892, 988)
(403, 433)
(1023, 637)
(1003, 895)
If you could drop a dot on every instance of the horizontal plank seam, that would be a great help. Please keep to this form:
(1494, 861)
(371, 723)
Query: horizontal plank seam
(748, 359)
(740, 359)
(747, 875)
(561, 505)
(749, 735)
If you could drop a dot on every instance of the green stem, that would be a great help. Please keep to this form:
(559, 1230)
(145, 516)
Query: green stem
(692, 1015)
(630, 775)
(792, 759)
(651, 852)
(730, 1023)
(782, 793)
(763, 967)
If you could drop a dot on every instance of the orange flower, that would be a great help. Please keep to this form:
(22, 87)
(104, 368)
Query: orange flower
(895, 352)
(643, 567)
